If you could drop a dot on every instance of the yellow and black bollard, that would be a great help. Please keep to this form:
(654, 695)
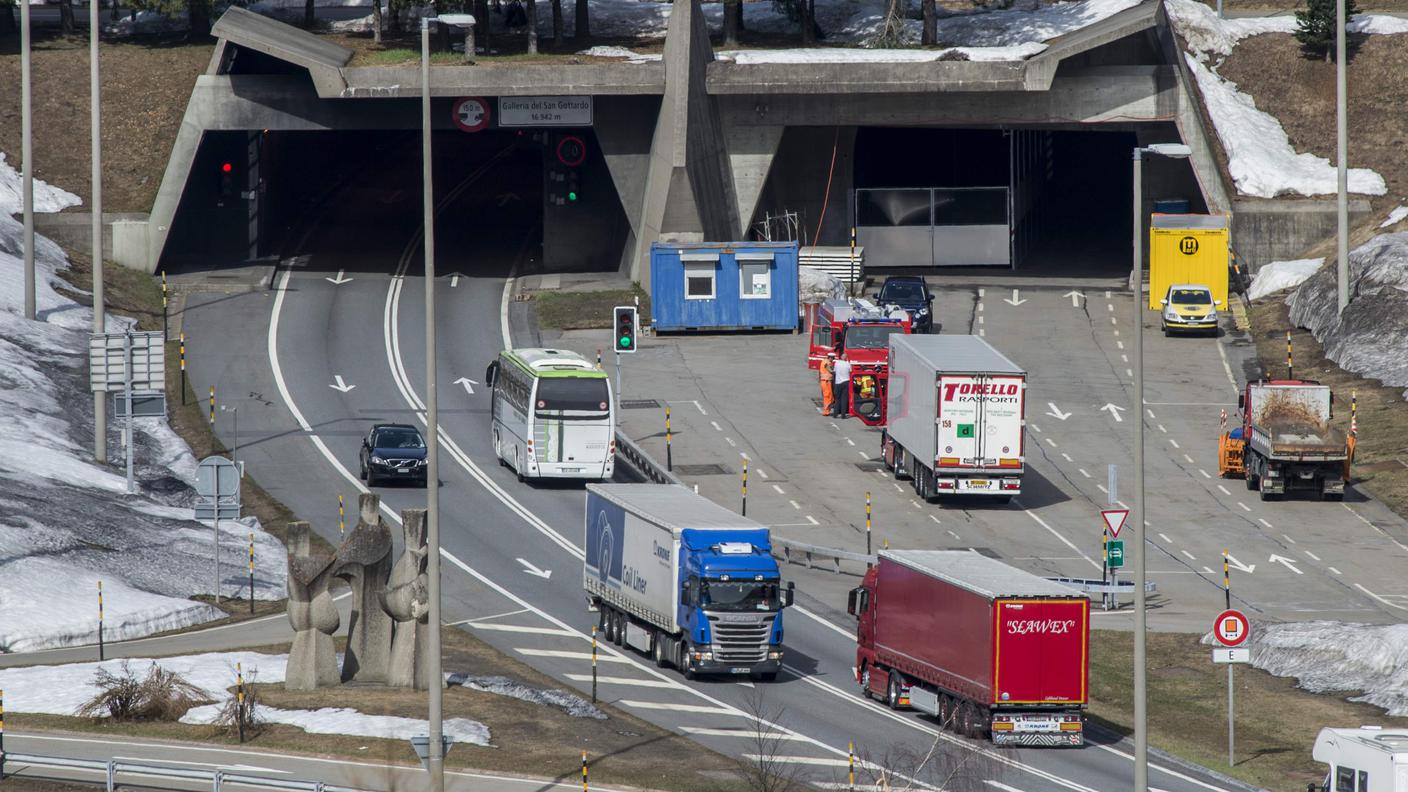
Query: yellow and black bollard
(1290, 370)
(745, 488)
(251, 574)
(1354, 413)
(183, 368)
(867, 526)
(341, 517)
(212, 405)
(100, 620)
(851, 765)
(593, 663)
(584, 771)
(1226, 581)
(163, 308)
(239, 698)
(669, 455)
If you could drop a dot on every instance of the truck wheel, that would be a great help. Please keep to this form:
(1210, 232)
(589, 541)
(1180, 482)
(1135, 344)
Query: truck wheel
(660, 658)
(687, 667)
(865, 682)
(1251, 481)
(621, 621)
(892, 692)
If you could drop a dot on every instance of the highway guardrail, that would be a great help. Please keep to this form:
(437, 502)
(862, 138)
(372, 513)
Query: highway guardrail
(111, 769)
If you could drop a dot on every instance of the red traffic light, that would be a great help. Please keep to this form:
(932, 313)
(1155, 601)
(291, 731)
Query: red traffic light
(226, 167)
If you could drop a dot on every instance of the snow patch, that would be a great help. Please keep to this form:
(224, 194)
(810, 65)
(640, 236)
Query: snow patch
(573, 705)
(1395, 217)
(47, 198)
(1333, 657)
(1259, 154)
(341, 720)
(1279, 275)
(854, 55)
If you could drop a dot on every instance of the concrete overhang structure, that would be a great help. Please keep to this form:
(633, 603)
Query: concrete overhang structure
(690, 139)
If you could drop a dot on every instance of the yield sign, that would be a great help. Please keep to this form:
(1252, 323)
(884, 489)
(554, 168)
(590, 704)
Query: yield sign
(1114, 520)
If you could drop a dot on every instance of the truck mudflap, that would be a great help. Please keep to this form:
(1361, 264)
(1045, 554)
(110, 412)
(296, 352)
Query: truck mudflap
(1052, 729)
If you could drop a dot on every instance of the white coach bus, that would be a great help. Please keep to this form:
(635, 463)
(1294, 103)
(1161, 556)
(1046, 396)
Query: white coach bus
(553, 415)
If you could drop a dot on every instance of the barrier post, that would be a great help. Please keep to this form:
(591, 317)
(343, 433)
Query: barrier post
(100, 620)
(851, 765)
(1226, 581)
(598, 359)
(1354, 413)
(669, 455)
(744, 512)
(584, 771)
(163, 307)
(183, 368)
(212, 405)
(341, 517)
(251, 574)
(239, 699)
(593, 663)
(1290, 370)
(867, 527)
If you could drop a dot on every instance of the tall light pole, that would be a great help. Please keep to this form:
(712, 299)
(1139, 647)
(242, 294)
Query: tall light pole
(27, 154)
(100, 398)
(1141, 713)
(1342, 176)
(436, 747)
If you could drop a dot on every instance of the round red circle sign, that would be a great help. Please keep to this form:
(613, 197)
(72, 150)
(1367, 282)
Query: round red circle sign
(571, 151)
(471, 114)
(1231, 628)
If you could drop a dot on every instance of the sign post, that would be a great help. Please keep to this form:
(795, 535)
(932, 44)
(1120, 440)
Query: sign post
(1231, 630)
(217, 497)
(131, 365)
(1112, 521)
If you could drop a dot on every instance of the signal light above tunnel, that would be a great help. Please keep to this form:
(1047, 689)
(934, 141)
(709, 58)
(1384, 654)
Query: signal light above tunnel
(626, 326)
(226, 167)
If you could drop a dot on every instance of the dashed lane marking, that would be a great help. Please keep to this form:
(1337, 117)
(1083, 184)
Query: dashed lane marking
(517, 628)
(716, 426)
(1336, 571)
(1288, 538)
(1205, 473)
(751, 734)
(1224, 490)
(676, 707)
(1067, 457)
(1051, 442)
(1188, 459)
(1244, 506)
(567, 654)
(1164, 537)
(778, 490)
(615, 680)
(1263, 521)
(1313, 557)
(1189, 555)
(1083, 473)
(1174, 443)
(730, 441)
(811, 519)
(795, 505)
(1161, 427)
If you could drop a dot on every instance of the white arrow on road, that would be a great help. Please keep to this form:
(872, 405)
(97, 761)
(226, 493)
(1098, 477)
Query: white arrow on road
(1014, 300)
(454, 280)
(1075, 297)
(533, 570)
(1056, 413)
(1115, 410)
(339, 280)
(340, 385)
(1275, 559)
(1239, 566)
(467, 383)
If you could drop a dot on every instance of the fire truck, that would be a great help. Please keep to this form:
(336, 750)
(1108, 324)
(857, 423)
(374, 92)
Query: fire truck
(858, 331)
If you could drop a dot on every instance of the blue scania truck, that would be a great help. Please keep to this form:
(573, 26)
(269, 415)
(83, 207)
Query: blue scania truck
(680, 578)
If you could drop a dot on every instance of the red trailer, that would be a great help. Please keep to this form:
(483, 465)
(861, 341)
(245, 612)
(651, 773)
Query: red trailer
(982, 646)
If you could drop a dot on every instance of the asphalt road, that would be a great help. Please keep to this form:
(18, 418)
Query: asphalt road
(299, 435)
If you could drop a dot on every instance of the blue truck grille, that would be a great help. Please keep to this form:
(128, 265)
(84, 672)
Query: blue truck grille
(745, 642)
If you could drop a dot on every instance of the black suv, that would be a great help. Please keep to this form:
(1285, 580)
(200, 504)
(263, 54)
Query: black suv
(393, 452)
(912, 294)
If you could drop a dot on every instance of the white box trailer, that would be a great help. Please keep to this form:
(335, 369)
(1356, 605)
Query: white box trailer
(1367, 759)
(956, 420)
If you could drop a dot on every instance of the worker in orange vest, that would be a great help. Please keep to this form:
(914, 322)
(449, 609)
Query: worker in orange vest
(826, 373)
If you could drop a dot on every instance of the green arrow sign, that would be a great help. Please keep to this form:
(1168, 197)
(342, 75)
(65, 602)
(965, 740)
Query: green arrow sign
(1115, 551)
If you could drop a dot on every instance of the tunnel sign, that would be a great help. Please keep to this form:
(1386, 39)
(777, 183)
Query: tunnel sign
(471, 114)
(1231, 628)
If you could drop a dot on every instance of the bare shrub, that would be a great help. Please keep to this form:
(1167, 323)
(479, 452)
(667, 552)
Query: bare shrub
(161, 695)
(764, 767)
(234, 712)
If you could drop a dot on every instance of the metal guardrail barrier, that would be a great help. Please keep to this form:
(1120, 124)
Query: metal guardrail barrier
(111, 769)
(642, 462)
(805, 554)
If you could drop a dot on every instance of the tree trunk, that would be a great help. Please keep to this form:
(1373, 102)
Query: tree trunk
(65, 16)
(583, 28)
(393, 18)
(738, 16)
(731, 22)
(557, 23)
(7, 19)
(199, 13)
(376, 22)
(931, 24)
(484, 29)
(307, 14)
(531, 7)
(808, 24)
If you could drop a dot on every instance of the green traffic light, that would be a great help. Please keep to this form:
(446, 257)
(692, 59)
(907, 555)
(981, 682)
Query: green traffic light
(625, 341)
(572, 196)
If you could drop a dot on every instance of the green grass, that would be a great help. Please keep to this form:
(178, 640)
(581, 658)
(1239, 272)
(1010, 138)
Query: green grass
(586, 310)
(1187, 705)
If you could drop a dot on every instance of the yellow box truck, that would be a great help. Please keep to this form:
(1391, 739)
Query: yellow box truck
(1188, 248)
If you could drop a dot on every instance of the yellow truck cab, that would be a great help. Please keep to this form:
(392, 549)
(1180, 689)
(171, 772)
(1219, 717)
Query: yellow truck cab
(1188, 308)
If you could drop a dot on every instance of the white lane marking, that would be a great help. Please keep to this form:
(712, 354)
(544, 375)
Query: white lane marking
(1188, 459)
(1075, 297)
(1288, 563)
(1380, 599)
(1107, 294)
(532, 569)
(811, 519)
(982, 332)
(1113, 320)
(566, 654)
(898, 487)
(1129, 372)
(864, 456)
(665, 705)
(1117, 333)
(1239, 566)
(1364, 520)
(982, 293)
(340, 385)
(1055, 412)
(914, 503)
(1190, 556)
(981, 307)
(1244, 506)
(339, 280)
(1167, 540)
(1173, 443)
(955, 536)
(1205, 473)
(1124, 505)
(751, 734)
(935, 519)
(850, 441)
(1035, 428)
(802, 760)
(1110, 307)
(1287, 538)
(1224, 490)
(1207, 570)
(1263, 521)
(730, 441)
(763, 473)
(716, 426)
(1083, 473)
(981, 318)
(1313, 557)
(823, 622)
(616, 680)
(1227, 367)
(514, 628)
(1124, 358)
(1067, 457)
(1101, 487)
(778, 490)
(998, 785)
(1051, 442)
(1057, 534)
(1114, 410)
(1336, 571)
(455, 280)
(1152, 417)
(1162, 429)
(1120, 344)
(795, 505)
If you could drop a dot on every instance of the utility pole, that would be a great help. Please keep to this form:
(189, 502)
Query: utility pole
(27, 155)
(100, 398)
(1342, 176)
(1141, 714)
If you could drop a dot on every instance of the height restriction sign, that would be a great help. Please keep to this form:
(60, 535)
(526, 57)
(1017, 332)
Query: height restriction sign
(1231, 628)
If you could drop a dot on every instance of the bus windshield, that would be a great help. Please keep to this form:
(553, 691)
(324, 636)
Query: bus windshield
(869, 336)
(743, 595)
(572, 393)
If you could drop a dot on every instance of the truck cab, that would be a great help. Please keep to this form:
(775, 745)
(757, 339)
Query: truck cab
(1367, 759)
(859, 331)
(730, 603)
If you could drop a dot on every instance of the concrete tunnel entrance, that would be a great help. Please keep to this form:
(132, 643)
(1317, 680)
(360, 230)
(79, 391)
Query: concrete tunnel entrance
(1031, 201)
(540, 200)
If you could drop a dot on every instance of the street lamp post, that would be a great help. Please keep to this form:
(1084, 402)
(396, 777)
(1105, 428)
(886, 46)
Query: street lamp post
(1141, 714)
(27, 155)
(1342, 174)
(100, 398)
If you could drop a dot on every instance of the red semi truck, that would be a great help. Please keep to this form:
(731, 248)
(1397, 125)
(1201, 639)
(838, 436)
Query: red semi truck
(982, 646)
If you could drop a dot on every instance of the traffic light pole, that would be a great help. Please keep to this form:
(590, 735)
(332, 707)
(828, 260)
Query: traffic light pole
(618, 379)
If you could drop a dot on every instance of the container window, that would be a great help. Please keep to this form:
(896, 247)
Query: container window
(756, 279)
(699, 281)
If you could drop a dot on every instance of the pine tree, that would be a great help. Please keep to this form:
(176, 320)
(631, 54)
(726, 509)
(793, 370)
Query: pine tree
(1315, 26)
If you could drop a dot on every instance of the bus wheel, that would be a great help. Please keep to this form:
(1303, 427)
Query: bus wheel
(499, 450)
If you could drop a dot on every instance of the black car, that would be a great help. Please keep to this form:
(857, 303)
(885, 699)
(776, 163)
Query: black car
(393, 452)
(912, 294)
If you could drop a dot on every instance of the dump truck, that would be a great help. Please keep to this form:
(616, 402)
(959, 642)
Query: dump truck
(955, 417)
(1285, 442)
(684, 580)
(986, 648)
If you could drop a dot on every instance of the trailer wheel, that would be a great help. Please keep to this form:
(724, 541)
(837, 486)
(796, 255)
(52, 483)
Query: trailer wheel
(892, 691)
(618, 628)
(971, 721)
(946, 712)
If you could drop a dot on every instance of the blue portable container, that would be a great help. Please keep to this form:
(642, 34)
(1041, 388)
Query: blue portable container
(723, 286)
(1171, 206)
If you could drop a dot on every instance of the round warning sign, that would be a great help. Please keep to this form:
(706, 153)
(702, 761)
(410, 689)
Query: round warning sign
(1188, 245)
(1231, 628)
(471, 114)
